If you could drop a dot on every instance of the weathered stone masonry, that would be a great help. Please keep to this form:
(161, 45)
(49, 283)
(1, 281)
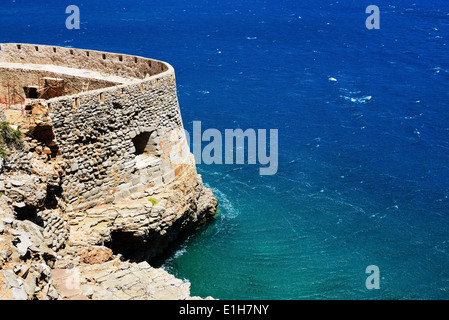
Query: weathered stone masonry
(128, 178)
(95, 133)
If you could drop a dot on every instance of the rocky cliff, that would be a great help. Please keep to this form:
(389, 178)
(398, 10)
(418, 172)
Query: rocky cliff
(96, 182)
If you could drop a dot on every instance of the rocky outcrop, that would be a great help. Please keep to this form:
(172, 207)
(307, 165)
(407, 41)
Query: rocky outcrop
(141, 229)
(29, 269)
(48, 251)
(25, 259)
(100, 182)
(118, 280)
(39, 262)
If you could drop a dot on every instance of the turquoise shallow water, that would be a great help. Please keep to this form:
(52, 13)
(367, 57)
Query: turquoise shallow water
(363, 175)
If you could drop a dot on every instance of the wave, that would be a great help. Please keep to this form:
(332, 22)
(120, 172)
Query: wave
(227, 210)
(440, 69)
(168, 263)
(361, 100)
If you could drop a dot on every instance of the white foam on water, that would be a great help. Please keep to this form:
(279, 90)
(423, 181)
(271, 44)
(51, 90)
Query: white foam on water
(227, 211)
(361, 100)
(178, 253)
(439, 69)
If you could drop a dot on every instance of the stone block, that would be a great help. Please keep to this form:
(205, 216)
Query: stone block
(170, 175)
(158, 181)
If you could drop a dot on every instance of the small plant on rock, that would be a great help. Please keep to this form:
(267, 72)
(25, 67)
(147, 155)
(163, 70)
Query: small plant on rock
(9, 135)
(153, 201)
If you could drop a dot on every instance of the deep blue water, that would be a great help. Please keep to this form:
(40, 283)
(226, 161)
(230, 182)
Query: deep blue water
(363, 160)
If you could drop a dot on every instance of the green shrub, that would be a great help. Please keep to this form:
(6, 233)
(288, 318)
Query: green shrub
(8, 134)
(3, 153)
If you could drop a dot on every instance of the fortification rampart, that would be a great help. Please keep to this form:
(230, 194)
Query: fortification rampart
(122, 65)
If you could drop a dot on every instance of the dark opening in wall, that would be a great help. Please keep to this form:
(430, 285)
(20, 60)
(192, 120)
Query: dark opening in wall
(53, 193)
(144, 144)
(31, 92)
(140, 142)
(45, 135)
(30, 214)
(136, 248)
(126, 244)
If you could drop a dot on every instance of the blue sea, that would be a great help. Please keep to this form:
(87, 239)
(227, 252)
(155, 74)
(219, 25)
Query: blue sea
(363, 125)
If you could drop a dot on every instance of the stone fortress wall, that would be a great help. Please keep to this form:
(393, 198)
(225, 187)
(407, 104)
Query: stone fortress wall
(117, 133)
(108, 63)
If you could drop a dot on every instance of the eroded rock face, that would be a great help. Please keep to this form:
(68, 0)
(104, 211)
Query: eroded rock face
(139, 228)
(29, 269)
(96, 254)
(32, 267)
(120, 280)
(25, 260)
